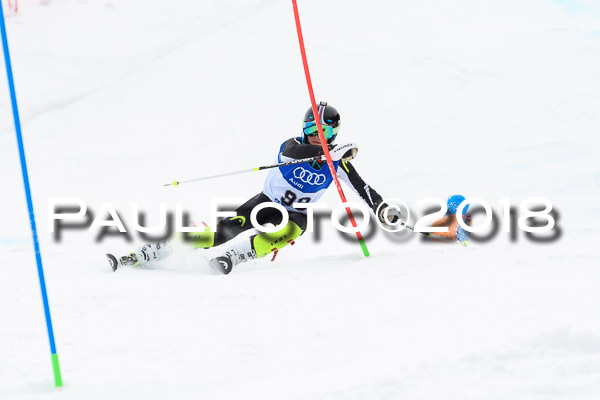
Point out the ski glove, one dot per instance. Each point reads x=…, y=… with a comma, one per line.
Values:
x=393, y=214
x=345, y=152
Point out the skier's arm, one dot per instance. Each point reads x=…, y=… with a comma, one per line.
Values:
x=350, y=176
x=294, y=149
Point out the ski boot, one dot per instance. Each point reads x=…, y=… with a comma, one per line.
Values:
x=235, y=255
x=143, y=255
x=130, y=259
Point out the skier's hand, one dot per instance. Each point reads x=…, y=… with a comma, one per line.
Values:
x=393, y=214
x=345, y=151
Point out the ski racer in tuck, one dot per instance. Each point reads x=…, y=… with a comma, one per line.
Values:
x=286, y=185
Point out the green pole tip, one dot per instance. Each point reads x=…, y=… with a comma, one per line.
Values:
x=363, y=245
x=56, y=368
x=175, y=183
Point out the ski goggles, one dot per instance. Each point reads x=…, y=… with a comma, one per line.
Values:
x=310, y=129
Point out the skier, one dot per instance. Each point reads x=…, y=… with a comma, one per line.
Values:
x=298, y=183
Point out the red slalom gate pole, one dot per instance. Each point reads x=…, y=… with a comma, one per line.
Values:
x=313, y=103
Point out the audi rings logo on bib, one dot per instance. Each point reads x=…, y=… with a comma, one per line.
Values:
x=312, y=178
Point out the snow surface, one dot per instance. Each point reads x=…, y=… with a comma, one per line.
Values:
x=492, y=99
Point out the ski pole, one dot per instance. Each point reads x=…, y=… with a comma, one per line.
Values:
x=282, y=164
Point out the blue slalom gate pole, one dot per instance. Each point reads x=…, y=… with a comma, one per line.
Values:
x=38, y=257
